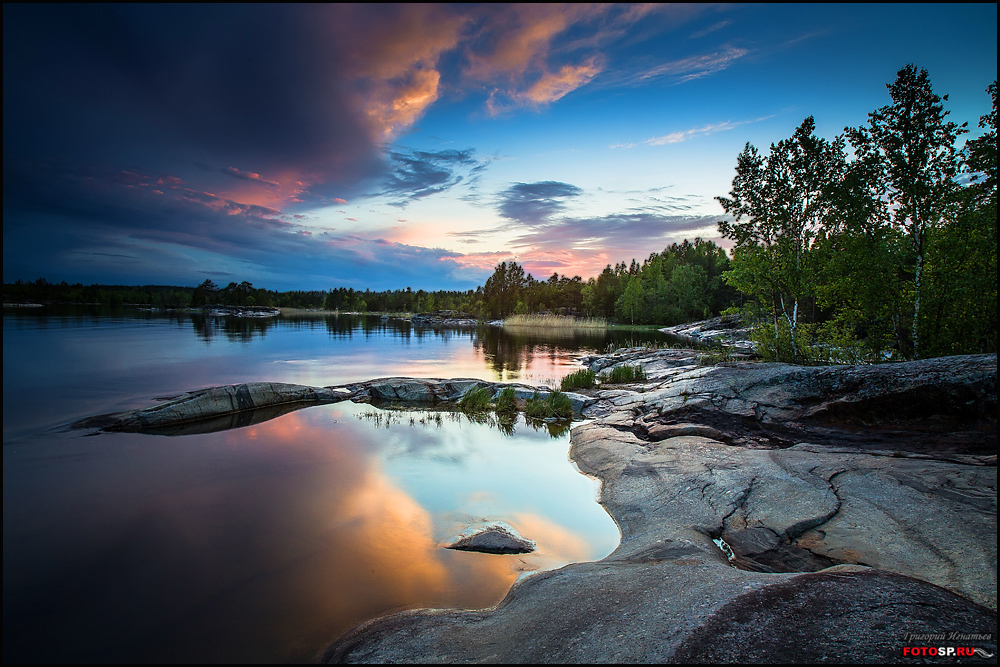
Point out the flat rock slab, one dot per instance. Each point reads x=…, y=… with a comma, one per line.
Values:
x=233, y=406
x=494, y=540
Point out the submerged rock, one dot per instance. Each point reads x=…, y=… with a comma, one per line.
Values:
x=494, y=540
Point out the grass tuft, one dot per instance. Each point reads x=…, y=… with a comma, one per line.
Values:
x=556, y=404
x=581, y=379
x=506, y=401
x=624, y=373
x=476, y=399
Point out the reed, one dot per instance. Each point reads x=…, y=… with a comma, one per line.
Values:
x=558, y=322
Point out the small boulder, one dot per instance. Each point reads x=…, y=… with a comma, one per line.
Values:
x=494, y=540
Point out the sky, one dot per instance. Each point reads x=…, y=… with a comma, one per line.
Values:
x=419, y=145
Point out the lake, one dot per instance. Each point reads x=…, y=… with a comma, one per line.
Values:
x=265, y=543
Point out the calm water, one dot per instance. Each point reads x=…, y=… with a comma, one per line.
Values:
x=267, y=542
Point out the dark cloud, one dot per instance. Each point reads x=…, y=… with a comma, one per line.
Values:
x=92, y=236
x=535, y=203
x=165, y=85
x=417, y=174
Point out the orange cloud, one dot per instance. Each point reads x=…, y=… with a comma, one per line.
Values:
x=352, y=544
x=397, y=104
x=524, y=34
x=552, y=87
x=395, y=63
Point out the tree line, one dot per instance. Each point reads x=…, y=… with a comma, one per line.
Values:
x=682, y=283
x=887, y=254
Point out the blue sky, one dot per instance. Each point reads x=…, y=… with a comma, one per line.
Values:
x=386, y=146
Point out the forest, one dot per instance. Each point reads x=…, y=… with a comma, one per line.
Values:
x=878, y=244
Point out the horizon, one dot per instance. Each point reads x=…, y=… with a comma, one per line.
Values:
x=384, y=147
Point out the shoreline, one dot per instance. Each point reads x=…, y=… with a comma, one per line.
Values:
x=756, y=502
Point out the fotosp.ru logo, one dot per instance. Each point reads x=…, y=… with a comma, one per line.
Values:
x=946, y=652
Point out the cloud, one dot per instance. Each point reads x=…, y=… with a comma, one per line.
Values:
x=174, y=232
x=518, y=38
x=710, y=29
x=392, y=58
x=684, y=135
x=547, y=89
x=583, y=246
x=535, y=203
x=418, y=174
x=693, y=67
x=248, y=176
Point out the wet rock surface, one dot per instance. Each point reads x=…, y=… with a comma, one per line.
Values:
x=859, y=504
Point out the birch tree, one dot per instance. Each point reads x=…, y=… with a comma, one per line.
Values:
x=915, y=147
x=779, y=203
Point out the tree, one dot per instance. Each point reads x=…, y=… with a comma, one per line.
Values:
x=779, y=203
x=629, y=304
x=915, y=148
x=961, y=267
x=503, y=289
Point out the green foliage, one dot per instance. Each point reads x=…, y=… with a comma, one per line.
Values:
x=506, y=402
x=476, y=399
x=779, y=204
x=774, y=342
x=556, y=405
x=881, y=257
x=913, y=147
x=624, y=373
x=581, y=379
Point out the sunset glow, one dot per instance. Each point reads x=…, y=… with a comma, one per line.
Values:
x=307, y=147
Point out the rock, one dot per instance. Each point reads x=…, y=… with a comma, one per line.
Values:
x=658, y=432
x=494, y=540
x=410, y=390
x=212, y=403
x=726, y=330
x=841, y=545
x=218, y=407
x=447, y=319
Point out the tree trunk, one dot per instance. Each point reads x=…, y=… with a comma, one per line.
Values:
x=916, y=303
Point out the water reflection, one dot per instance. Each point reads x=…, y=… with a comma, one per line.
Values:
x=264, y=543
x=388, y=415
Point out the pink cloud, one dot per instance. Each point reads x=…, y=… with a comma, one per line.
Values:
x=248, y=176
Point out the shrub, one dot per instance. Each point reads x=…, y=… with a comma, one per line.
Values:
x=624, y=373
x=476, y=399
x=581, y=379
x=506, y=401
